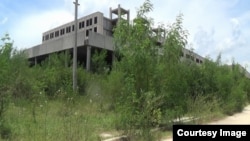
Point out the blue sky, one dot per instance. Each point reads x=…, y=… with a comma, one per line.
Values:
x=215, y=26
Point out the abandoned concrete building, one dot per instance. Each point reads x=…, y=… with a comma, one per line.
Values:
x=94, y=32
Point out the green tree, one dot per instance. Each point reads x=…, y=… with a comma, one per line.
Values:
x=5, y=57
x=152, y=72
x=14, y=83
x=99, y=63
x=56, y=74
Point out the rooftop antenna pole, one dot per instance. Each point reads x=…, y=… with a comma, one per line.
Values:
x=75, y=50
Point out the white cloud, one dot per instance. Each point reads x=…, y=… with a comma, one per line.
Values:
x=235, y=22
x=214, y=30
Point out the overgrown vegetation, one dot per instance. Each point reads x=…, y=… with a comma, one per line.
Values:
x=149, y=86
x=158, y=86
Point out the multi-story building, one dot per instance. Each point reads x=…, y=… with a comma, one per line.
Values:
x=94, y=32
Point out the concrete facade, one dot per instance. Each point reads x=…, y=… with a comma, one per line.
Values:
x=94, y=31
x=188, y=54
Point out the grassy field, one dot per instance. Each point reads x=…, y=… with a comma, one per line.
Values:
x=71, y=119
x=78, y=119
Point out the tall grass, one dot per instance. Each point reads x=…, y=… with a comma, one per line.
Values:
x=72, y=119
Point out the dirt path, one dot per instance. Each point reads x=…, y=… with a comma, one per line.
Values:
x=239, y=118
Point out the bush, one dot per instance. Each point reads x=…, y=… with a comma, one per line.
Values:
x=5, y=131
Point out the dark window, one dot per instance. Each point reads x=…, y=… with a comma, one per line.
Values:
x=201, y=62
x=197, y=60
x=73, y=27
x=68, y=29
x=56, y=33
x=43, y=38
x=82, y=24
x=95, y=20
x=47, y=37
x=51, y=35
x=87, y=32
x=87, y=23
x=90, y=21
x=62, y=31
x=95, y=29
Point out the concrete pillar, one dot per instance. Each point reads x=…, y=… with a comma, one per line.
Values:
x=88, y=58
x=35, y=61
x=119, y=12
x=128, y=15
x=110, y=13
